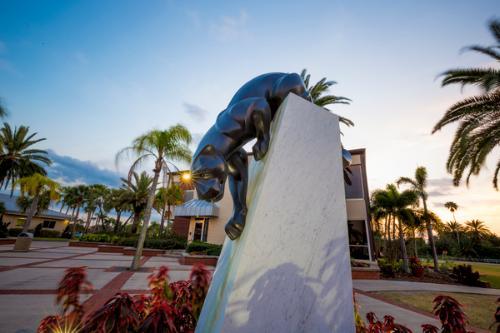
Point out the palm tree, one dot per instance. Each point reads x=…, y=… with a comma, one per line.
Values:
x=75, y=199
x=116, y=200
x=18, y=158
x=165, y=199
x=163, y=147
x=455, y=228
x=419, y=184
x=136, y=194
x=320, y=97
x=397, y=207
x=478, y=132
x=477, y=229
x=452, y=207
x=35, y=187
x=3, y=110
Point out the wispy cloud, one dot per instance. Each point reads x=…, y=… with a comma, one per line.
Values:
x=229, y=28
x=71, y=171
x=195, y=111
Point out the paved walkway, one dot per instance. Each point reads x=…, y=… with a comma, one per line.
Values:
x=392, y=285
x=28, y=280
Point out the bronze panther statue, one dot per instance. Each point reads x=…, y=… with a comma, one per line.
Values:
x=220, y=154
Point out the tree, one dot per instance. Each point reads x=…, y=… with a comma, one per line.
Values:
x=34, y=187
x=452, y=207
x=165, y=199
x=419, y=184
x=75, y=199
x=455, y=228
x=320, y=96
x=163, y=147
x=478, y=131
x=116, y=200
x=136, y=194
x=18, y=158
x=478, y=230
x=396, y=206
x=3, y=110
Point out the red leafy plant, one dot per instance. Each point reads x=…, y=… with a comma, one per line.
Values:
x=71, y=285
x=171, y=307
x=416, y=267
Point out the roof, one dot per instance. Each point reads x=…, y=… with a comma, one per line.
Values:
x=197, y=207
x=11, y=207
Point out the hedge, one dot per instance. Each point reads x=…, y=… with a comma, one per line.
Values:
x=204, y=248
x=49, y=233
x=13, y=232
x=162, y=244
x=98, y=238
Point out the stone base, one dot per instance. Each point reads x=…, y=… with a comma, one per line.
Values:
x=290, y=270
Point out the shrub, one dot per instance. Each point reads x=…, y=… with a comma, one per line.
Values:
x=38, y=229
x=416, y=267
x=449, y=311
x=387, y=269
x=49, y=233
x=204, y=248
x=170, y=307
x=464, y=274
x=13, y=232
x=98, y=238
x=161, y=244
x=4, y=231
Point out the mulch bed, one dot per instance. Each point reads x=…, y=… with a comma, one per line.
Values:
x=429, y=277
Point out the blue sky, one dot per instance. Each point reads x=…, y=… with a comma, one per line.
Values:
x=92, y=75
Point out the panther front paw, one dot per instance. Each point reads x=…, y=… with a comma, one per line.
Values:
x=235, y=226
x=260, y=149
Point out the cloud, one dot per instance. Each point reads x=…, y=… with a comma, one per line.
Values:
x=195, y=111
x=229, y=28
x=71, y=171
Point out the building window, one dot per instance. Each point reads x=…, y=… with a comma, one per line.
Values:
x=20, y=222
x=358, y=241
x=49, y=224
x=355, y=190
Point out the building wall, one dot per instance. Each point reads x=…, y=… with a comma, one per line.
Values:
x=60, y=225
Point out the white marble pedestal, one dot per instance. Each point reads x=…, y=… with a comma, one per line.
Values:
x=290, y=269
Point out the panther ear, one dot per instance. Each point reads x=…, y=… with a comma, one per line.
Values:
x=208, y=150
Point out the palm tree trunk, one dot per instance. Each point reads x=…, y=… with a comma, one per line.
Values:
x=431, y=237
x=89, y=218
x=117, y=222
x=415, y=242
x=135, y=222
x=31, y=212
x=402, y=245
x=73, y=228
x=136, y=263
x=162, y=220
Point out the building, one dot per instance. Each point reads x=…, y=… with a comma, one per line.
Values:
x=49, y=219
x=205, y=221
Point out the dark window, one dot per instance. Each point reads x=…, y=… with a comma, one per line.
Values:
x=355, y=190
x=49, y=224
x=357, y=233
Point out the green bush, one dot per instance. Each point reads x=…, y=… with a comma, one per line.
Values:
x=161, y=244
x=204, y=248
x=13, y=232
x=49, y=233
x=99, y=238
x=4, y=231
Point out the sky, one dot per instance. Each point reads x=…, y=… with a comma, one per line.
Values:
x=92, y=75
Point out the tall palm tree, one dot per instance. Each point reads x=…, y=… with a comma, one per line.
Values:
x=34, y=187
x=3, y=111
x=163, y=147
x=478, y=131
x=136, y=194
x=165, y=199
x=75, y=199
x=18, y=158
x=452, y=207
x=397, y=206
x=419, y=184
x=455, y=228
x=116, y=200
x=320, y=96
x=477, y=229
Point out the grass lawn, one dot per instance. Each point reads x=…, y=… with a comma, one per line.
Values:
x=479, y=308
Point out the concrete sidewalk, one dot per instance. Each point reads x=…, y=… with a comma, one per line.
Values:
x=408, y=318
x=393, y=285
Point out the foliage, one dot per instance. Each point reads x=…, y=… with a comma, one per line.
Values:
x=319, y=94
x=204, y=248
x=99, y=238
x=497, y=318
x=465, y=275
x=135, y=194
x=478, y=132
x=49, y=233
x=449, y=311
x=416, y=267
x=14, y=232
x=387, y=325
x=72, y=284
x=171, y=307
x=18, y=157
x=387, y=269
